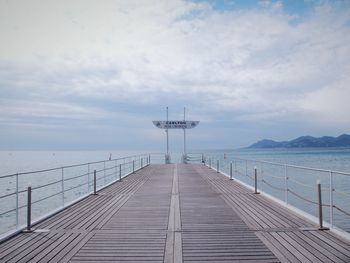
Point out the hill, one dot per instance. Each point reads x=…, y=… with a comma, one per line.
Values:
x=306, y=141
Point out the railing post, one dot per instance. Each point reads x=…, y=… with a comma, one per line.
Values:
x=141, y=163
x=29, y=209
x=17, y=212
x=120, y=172
x=133, y=166
x=231, y=171
x=262, y=178
x=331, y=190
x=320, y=213
x=209, y=162
x=62, y=185
x=95, y=181
x=285, y=184
x=217, y=166
x=256, y=181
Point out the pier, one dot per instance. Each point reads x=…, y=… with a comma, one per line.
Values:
x=176, y=213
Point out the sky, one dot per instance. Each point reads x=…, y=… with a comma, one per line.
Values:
x=92, y=75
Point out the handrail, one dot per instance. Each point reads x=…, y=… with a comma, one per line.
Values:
x=281, y=180
x=61, y=184
x=294, y=166
x=69, y=166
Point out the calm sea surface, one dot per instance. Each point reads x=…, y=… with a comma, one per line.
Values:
x=271, y=177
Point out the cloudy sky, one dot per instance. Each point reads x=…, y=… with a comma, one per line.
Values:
x=88, y=74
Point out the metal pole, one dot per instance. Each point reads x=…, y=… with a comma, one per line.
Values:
x=95, y=182
x=262, y=178
x=256, y=181
x=17, y=212
x=167, y=132
x=320, y=213
x=141, y=163
x=331, y=197
x=217, y=166
x=29, y=209
x=231, y=171
x=62, y=185
x=185, y=133
x=120, y=172
x=133, y=166
x=286, y=184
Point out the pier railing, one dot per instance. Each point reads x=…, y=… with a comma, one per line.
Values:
x=304, y=189
x=29, y=197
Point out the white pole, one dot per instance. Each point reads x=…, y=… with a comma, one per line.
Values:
x=184, y=132
x=167, y=134
x=331, y=197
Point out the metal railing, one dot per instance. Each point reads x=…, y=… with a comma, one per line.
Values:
x=296, y=186
x=28, y=197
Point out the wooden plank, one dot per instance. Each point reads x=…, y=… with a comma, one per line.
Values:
x=191, y=214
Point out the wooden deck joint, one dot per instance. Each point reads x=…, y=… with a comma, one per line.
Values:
x=173, y=248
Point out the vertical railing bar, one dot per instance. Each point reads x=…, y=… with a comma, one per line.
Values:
x=286, y=184
x=17, y=212
x=95, y=181
x=235, y=173
x=331, y=197
x=262, y=177
x=320, y=212
x=120, y=172
x=231, y=171
x=29, y=209
x=256, y=180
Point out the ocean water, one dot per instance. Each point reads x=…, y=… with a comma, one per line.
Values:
x=271, y=177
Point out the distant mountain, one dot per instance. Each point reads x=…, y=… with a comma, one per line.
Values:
x=306, y=141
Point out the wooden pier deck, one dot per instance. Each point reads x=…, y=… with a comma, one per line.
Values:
x=176, y=213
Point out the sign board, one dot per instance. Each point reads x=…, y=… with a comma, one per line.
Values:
x=175, y=124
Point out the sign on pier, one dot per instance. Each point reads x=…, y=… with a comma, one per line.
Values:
x=166, y=125
x=175, y=124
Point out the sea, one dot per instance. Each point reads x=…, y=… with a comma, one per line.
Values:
x=273, y=166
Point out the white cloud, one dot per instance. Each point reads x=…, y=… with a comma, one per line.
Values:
x=255, y=63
